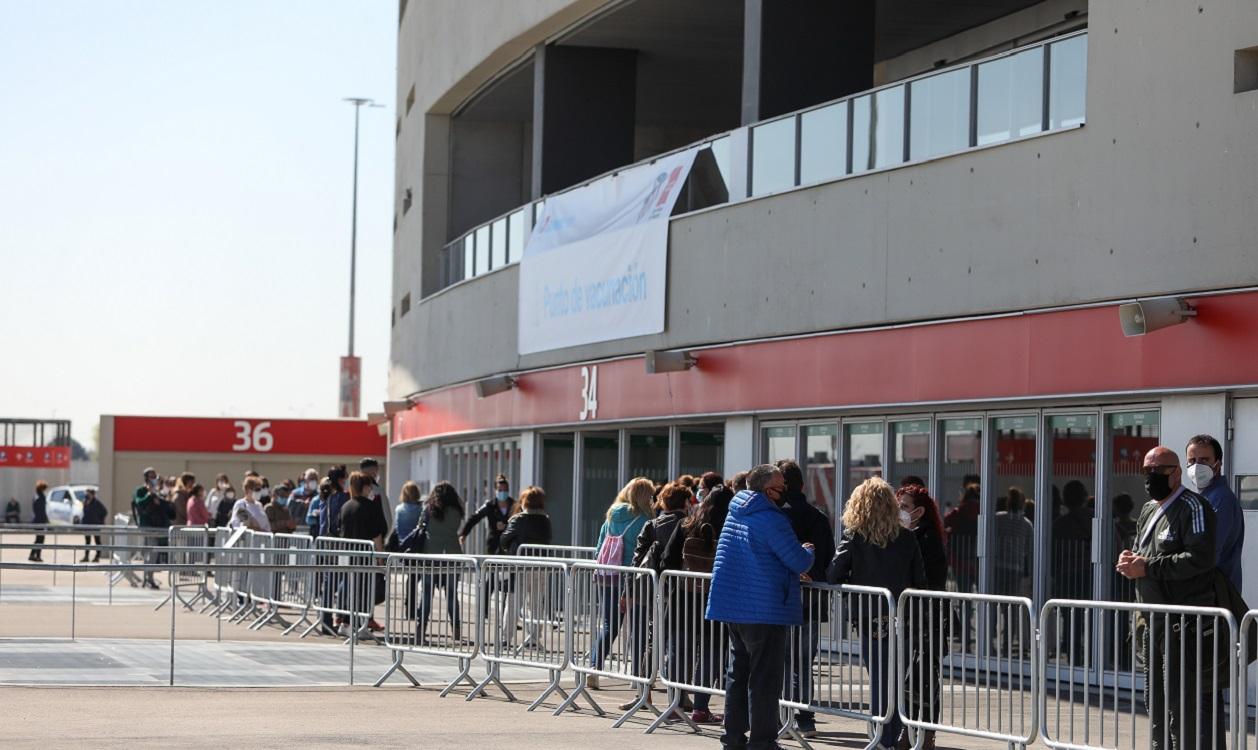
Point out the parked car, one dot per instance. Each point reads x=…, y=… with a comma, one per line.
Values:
x=65, y=503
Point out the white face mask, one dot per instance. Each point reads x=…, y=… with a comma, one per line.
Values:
x=230, y=494
x=1200, y=475
x=222, y=485
x=312, y=485
x=264, y=492
x=906, y=520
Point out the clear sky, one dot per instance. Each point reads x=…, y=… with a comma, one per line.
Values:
x=175, y=205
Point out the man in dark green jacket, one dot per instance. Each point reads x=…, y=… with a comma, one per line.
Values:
x=150, y=511
x=1174, y=563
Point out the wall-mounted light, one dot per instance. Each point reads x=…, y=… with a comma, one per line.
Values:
x=669, y=362
x=393, y=407
x=494, y=385
x=1148, y=315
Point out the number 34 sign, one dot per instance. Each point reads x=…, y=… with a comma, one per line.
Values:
x=589, y=393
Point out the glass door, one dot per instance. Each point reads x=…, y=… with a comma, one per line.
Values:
x=864, y=452
x=960, y=491
x=1012, y=464
x=910, y=451
x=778, y=442
x=821, y=454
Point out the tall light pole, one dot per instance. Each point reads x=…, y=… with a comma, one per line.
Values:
x=351, y=384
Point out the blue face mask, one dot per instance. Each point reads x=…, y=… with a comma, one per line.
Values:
x=281, y=501
x=502, y=496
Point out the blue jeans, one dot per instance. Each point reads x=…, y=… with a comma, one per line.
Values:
x=805, y=643
x=876, y=652
x=609, y=609
x=449, y=582
x=753, y=683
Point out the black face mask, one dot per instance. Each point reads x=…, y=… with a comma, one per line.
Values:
x=1158, y=485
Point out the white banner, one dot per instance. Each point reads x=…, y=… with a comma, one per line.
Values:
x=595, y=267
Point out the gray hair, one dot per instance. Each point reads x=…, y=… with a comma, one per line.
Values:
x=759, y=477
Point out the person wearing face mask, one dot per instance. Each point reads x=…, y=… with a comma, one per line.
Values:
x=1205, y=475
x=264, y=494
x=330, y=512
x=277, y=513
x=497, y=511
x=315, y=509
x=303, y=495
x=150, y=511
x=254, y=516
x=215, y=496
x=1173, y=562
x=811, y=526
x=223, y=508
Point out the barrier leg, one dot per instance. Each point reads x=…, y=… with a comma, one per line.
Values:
x=789, y=730
x=644, y=695
x=162, y=603
x=577, y=692
x=554, y=686
x=465, y=667
x=491, y=675
x=396, y=666
x=305, y=618
x=672, y=713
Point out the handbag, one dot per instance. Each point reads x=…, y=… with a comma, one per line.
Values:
x=417, y=541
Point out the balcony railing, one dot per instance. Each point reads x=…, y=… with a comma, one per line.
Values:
x=1020, y=93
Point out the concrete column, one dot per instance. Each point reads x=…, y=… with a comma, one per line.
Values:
x=740, y=445
x=797, y=53
x=584, y=103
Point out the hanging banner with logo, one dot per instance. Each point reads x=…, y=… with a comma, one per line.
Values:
x=595, y=267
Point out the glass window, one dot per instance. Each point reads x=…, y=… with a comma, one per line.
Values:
x=960, y=497
x=482, y=251
x=557, y=456
x=1013, y=485
x=1067, y=82
x=648, y=455
x=821, y=453
x=1247, y=491
x=1129, y=435
x=515, y=236
x=864, y=453
x=773, y=156
x=469, y=257
x=910, y=451
x=823, y=143
x=499, y=257
x=878, y=129
x=720, y=152
x=779, y=443
x=1071, y=469
x=939, y=120
x=1010, y=97
x=702, y=449
x=599, y=481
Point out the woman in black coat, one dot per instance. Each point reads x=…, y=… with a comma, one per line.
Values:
x=876, y=550
x=928, y=619
x=529, y=593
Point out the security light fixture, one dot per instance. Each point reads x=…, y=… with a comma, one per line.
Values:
x=1148, y=315
x=393, y=407
x=494, y=385
x=669, y=362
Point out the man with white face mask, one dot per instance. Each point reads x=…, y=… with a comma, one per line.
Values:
x=1205, y=475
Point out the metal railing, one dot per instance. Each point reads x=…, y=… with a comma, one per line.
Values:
x=983, y=666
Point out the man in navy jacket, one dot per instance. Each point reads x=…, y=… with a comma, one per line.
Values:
x=1205, y=475
x=755, y=591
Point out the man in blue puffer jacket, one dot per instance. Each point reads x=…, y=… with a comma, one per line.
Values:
x=755, y=591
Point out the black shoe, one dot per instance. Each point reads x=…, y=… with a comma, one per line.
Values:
x=97, y=558
x=806, y=727
x=84, y=559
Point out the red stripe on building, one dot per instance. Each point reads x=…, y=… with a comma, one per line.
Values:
x=314, y=437
x=30, y=457
x=1044, y=354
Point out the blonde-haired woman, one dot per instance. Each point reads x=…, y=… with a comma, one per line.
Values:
x=617, y=538
x=877, y=549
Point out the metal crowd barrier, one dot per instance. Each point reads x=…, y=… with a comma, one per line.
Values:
x=1141, y=676
x=842, y=660
x=530, y=601
x=179, y=538
x=557, y=551
x=967, y=666
x=696, y=650
x=611, y=637
x=291, y=590
x=347, y=596
x=427, y=600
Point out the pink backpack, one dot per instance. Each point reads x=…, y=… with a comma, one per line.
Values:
x=611, y=552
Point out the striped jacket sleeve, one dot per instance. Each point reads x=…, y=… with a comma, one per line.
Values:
x=1194, y=523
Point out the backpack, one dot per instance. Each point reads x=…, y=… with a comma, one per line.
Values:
x=698, y=552
x=611, y=552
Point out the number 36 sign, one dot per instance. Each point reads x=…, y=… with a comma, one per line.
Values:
x=306, y=437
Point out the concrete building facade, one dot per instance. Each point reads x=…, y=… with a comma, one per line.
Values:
x=902, y=251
